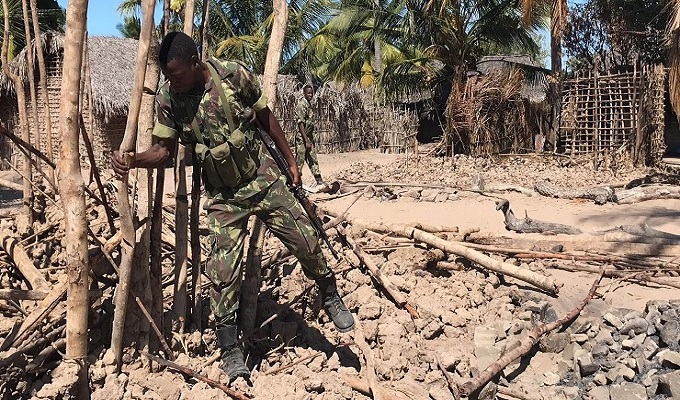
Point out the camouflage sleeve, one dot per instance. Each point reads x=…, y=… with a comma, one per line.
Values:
x=165, y=126
x=250, y=91
x=300, y=112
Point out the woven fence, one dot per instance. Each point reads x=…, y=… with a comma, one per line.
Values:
x=615, y=112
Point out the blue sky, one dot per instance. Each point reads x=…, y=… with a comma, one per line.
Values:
x=103, y=16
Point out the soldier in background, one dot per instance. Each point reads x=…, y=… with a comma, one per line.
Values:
x=304, y=139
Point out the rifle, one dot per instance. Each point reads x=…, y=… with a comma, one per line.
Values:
x=297, y=191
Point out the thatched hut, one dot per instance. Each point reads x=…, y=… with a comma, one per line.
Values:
x=499, y=108
x=108, y=74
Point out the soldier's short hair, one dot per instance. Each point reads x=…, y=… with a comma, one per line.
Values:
x=308, y=85
x=177, y=46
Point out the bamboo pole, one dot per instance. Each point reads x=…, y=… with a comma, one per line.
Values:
x=72, y=191
x=126, y=224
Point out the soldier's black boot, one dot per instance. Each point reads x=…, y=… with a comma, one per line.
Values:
x=334, y=306
x=232, y=357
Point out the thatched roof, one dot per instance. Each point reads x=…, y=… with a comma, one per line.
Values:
x=112, y=69
x=535, y=85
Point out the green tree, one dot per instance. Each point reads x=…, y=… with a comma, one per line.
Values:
x=421, y=41
x=50, y=15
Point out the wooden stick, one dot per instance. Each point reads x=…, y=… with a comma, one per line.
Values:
x=11, y=185
x=24, y=264
x=540, y=281
x=526, y=345
x=382, y=279
x=294, y=363
x=16, y=294
x=453, y=386
x=161, y=339
x=230, y=392
x=124, y=208
x=362, y=386
x=626, y=275
x=577, y=243
x=369, y=371
x=44, y=309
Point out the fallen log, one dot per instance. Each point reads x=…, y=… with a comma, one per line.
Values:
x=230, y=392
x=17, y=294
x=525, y=346
x=376, y=273
x=644, y=193
x=570, y=244
x=24, y=264
x=44, y=309
x=528, y=225
x=361, y=386
x=644, y=230
x=11, y=185
x=623, y=274
x=531, y=277
x=601, y=195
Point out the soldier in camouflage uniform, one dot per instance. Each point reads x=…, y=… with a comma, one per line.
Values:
x=217, y=106
x=304, y=139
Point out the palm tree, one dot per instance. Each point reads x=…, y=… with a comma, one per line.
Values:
x=421, y=41
x=51, y=17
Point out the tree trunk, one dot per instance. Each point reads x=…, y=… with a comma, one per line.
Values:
x=376, y=41
x=271, y=66
x=43, y=84
x=166, y=17
x=71, y=186
x=205, y=23
x=189, y=8
x=23, y=120
x=126, y=224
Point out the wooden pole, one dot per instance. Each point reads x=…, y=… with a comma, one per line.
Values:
x=72, y=191
x=126, y=224
x=31, y=74
x=24, y=264
x=43, y=84
x=23, y=120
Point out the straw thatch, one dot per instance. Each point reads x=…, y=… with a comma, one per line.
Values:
x=112, y=70
x=488, y=114
x=534, y=86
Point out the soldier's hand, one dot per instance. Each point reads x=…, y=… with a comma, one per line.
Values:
x=120, y=164
x=296, y=175
x=308, y=145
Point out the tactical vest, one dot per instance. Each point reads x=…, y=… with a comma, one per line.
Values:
x=235, y=160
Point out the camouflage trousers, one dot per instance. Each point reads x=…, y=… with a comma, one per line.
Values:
x=302, y=155
x=227, y=223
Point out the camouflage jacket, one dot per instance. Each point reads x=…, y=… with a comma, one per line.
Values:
x=175, y=113
x=304, y=113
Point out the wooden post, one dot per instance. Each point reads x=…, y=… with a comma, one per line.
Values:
x=179, y=302
x=31, y=75
x=43, y=83
x=71, y=186
x=23, y=120
x=127, y=226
